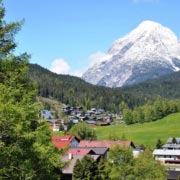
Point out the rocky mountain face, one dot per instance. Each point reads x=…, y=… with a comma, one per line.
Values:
x=149, y=51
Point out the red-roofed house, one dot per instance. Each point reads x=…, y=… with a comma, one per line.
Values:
x=94, y=149
x=64, y=141
x=107, y=144
x=80, y=151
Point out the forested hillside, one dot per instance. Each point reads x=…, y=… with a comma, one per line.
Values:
x=166, y=86
x=74, y=91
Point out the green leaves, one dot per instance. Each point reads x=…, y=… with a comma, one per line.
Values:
x=25, y=143
x=147, y=168
x=121, y=165
x=82, y=131
x=85, y=169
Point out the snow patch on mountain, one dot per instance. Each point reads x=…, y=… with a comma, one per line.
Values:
x=149, y=51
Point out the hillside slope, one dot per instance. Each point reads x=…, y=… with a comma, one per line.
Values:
x=146, y=133
x=167, y=86
x=75, y=91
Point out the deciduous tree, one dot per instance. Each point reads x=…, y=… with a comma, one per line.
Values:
x=86, y=169
x=26, y=151
x=83, y=131
x=147, y=168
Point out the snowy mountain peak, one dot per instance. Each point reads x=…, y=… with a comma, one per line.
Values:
x=149, y=25
x=150, y=50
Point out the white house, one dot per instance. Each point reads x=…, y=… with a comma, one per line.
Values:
x=171, y=156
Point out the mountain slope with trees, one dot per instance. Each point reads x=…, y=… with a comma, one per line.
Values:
x=167, y=86
x=75, y=91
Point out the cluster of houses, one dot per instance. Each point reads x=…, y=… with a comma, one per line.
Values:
x=75, y=149
x=78, y=149
x=93, y=116
x=169, y=154
x=76, y=114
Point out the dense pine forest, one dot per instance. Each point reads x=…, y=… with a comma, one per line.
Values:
x=74, y=91
x=167, y=86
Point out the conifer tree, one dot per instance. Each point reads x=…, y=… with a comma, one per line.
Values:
x=159, y=144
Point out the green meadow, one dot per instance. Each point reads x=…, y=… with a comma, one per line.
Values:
x=146, y=133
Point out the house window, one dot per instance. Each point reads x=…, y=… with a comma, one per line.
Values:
x=164, y=156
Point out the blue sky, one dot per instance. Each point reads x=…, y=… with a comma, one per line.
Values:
x=68, y=36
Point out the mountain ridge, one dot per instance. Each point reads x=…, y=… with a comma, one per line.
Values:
x=149, y=51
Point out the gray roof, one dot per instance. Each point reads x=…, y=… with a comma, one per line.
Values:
x=170, y=140
x=69, y=168
x=171, y=146
x=166, y=152
x=173, y=175
x=100, y=150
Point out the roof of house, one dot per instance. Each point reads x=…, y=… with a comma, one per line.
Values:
x=106, y=144
x=80, y=151
x=170, y=140
x=62, y=141
x=171, y=146
x=72, y=161
x=173, y=175
x=167, y=152
x=88, y=150
x=100, y=150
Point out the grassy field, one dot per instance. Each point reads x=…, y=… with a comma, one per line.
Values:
x=147, y=133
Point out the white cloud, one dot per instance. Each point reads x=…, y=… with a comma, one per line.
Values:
x=97, y=57
x=60, y=66
x=145, y=1
x=91, y=60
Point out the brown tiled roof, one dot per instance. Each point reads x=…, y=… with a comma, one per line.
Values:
x=106, y=144
x=80, y=151
x=97, y=150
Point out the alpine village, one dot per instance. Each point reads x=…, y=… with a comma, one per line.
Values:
x=119, y=121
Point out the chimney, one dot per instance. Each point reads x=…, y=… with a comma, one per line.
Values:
x=70, y=156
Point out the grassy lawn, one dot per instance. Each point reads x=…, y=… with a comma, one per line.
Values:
x=147, y=133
